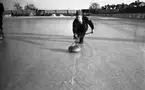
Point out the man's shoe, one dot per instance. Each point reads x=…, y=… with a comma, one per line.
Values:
x=80, y=42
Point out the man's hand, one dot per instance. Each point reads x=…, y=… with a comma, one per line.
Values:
x=75, y=36
x=92, y=31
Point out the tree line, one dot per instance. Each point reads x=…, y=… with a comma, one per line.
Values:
x=27, y=10
x=134, y=7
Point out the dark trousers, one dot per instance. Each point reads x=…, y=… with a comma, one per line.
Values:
x=1, y=25
x=81, y=36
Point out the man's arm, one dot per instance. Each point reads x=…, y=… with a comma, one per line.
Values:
x=89, y=22
x=74, y=27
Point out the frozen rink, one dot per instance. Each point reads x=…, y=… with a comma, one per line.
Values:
x=34, y=55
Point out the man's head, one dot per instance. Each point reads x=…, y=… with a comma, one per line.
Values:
x=79, y=15
x=79, y=12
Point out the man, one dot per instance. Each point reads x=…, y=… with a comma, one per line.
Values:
x=80, y=26
x=1, y=21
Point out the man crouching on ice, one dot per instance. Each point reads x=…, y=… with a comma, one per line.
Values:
x=80, y=26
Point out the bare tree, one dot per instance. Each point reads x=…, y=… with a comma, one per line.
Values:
x=17, y=6
x=30, y=7
x=94, y=6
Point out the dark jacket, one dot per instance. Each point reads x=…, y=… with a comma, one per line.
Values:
x=1, y=9
x=1, y=16
x=79, y=28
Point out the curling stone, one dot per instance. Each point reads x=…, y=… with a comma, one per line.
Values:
x=74, y=48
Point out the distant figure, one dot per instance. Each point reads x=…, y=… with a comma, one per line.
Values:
x=80, y=26
x=1, y=20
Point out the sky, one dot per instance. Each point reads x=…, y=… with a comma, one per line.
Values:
x=63, y=4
